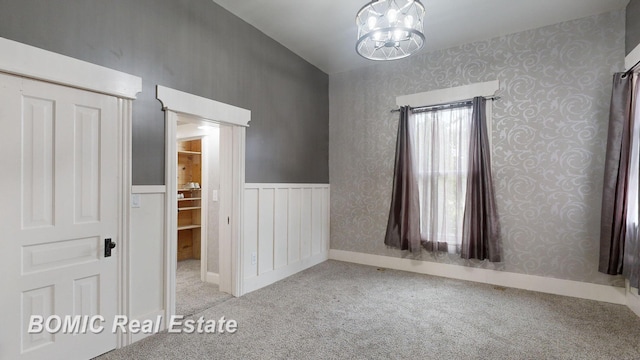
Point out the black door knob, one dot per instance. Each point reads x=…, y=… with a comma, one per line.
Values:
x=108, y=245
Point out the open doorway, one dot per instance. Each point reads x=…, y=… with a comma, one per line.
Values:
x=232, y=122
x=198, y=185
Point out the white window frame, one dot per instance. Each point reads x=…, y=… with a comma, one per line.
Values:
x=454, y=94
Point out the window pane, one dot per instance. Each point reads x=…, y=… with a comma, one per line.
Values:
x=441, y=148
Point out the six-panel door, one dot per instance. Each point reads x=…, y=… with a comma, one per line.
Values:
x=58, y=202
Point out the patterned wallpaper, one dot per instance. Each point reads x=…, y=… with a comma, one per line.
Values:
x=549, y=140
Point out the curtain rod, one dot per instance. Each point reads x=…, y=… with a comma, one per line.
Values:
x=452, y=104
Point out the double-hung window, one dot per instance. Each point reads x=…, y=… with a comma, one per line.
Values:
x=440, y=139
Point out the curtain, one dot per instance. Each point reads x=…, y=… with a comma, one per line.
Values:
x=481, y=226
x=631, y=268
x=613, y=224
x=441, y=143
x=403, y=226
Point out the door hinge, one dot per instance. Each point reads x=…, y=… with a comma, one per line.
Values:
x=227, y=220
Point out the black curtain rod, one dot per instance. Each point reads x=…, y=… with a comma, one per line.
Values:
x=449, y=105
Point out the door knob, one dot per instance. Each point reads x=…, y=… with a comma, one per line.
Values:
x=108, y=245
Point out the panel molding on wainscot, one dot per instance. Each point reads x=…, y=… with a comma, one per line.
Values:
x=286, y=231
x=146, y=283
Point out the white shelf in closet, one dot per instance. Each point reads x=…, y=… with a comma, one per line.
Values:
x=187, y=227
x=190, y=199
x=189, y=208
x=185, y=152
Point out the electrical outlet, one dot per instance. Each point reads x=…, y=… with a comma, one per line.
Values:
x=254, y=258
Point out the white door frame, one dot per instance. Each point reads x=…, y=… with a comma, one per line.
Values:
x=31, y=62
x=204, y=203
x=233, y=121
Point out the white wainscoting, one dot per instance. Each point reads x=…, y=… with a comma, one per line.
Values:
x=577, y=289
x=286, y=231
x=146, y=276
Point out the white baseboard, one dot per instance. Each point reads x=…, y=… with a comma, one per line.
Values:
x=213, y=278
x=606, y=293
x=153, y=316
x=255, y=283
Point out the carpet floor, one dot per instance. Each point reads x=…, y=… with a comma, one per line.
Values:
x=338, y=310
x=193, y=295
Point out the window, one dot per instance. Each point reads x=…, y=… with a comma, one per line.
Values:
x=440, y=140
x=441, y=149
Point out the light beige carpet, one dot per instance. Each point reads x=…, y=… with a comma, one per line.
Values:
x=337, y=310
x=193, y=295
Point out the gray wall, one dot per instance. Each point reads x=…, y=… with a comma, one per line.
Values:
x=549, y=140
x=632, y=36
x=198, y=47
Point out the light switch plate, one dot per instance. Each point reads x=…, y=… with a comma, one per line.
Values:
x=135, y=200
x=254, y=258
x=214, y=195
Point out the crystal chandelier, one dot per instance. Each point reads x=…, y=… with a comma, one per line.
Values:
x=390, y=29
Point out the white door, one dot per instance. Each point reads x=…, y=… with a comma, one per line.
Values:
x=58, y=204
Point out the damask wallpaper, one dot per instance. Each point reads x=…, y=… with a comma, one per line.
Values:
x=548, y=133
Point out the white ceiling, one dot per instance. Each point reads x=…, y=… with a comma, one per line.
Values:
x=323, y=32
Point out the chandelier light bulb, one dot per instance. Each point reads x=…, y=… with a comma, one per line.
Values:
x=392, y=15
x=408, y=21
x=371, y=22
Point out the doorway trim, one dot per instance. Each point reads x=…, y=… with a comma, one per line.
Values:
x=31, y=62
x=233, y=121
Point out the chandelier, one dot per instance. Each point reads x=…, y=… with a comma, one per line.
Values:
x=390, y=29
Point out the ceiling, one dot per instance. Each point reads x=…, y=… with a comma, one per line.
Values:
x=323, y=32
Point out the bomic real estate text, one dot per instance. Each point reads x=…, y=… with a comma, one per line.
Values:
x=83, y=324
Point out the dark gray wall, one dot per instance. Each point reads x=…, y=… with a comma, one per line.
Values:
x=632, y=36
x=198, y=47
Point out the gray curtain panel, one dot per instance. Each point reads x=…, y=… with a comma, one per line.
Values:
x=481, y=226
x=616, y=176
x=403, y=227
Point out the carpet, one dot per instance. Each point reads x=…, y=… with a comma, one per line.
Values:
x=193, y=295
x=339, y=310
